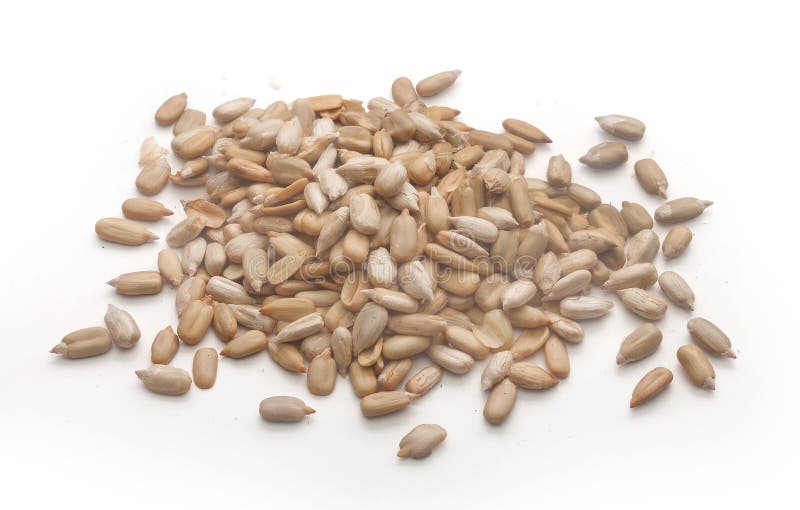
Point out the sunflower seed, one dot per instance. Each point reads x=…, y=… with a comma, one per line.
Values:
x=224, y=321
x=681, y=209
x=573, y=283
x=621, y=126
x=124, y=331
x=226, y=291
x=150, y=151
x=403, y=237
x=84, y=343
x=195, y=321
x=195, y=142
x=436, y=83
x=643, y=303
x=415, y=281
x=191, y=289
x=525, y=130
x=385, y=402
x=229, y=110
x=204, y=367
x=244, y=345
x=164, y=346
x=342, y=349
x=321, y=377
x=641, y=343
x=500, y=402
x=393, y=374
x=710, y=337
x=193, y=253
x=153, y=177
x=676, y=289
x=676, y=241
x=529, y=342
x=368, y=326
x=496, y=369
x=605, y=155
x=184, y=231
x=138, y=283
x=450, y=359
x=651, y=178
x=653, y=383
x=287, y=356
x=300, y=328
x=559, y=172
x=531, y=376
x=284, y=409
x=144, y=209
x=697, y=367
x=392, y=300
x=517, y=294
x=420, y=442
x=363, y=380
x=165, y=379
x=643, y=247
x=641, y=275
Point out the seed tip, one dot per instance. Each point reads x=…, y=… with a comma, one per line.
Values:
x=710, y=384
x=729, y=354
x=59, y=348
x=403, y=452
x=621, y=359
x=113, y=282
x=309, y=410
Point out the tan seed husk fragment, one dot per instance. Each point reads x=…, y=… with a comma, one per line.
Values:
x=641, y=343
x=697, y=367
x=676, y=289
x=124, y=331
x=643, y=303
x=605, y=155
x=436, y=83
x=500, y=402
x=204, y=367
x=284, y=409
x=653, y=383
x=127, y=232
x=531, y=376
x=651, y=178
x=144, y=209
x=710, y=337
x=150, y=151
x=676, y=241
x=165, y=380
x=681, y=209
x=84, y=343
x=164, y=347
x=420, y=442
x=622, y=126
x=138, y=283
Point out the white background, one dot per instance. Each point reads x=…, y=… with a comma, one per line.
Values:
x=717, y=88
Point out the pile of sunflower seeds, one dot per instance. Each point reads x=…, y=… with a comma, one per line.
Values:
x=347, y=240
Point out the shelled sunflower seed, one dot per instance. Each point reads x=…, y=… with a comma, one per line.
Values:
x=348, y=239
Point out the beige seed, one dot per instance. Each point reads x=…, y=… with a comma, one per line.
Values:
x=193, y=253
x=676, y=241
x=153, y=177
x=165, y=380
x=420, y=442
x=249, y=317
x=643, y=247
x=461, y=244
x=385, y=402
x=597, y=240
x=559, y=172
x=710, y=337
x=363, y=380
x=392, y=300
x=246, y=344
x=517, y=294
x=496, y=369
x=641, y=343
x=531, y=376
x=404, y=346
x=195, y=321
x=188, y=120
x=436, y=83
x=164, y=346
x=314, y=345
x=417, y=324
x=204, y=367
x=636, y=217
x=697, y=367
x=215, y=259
x=500, y=402
x=184, y=231
x=391, y=179
x=171, y=109
x=284, y=409
x=333, y=229
x=138, y=283
x=287, y=356
x=651, y=177
x=451, y=359
x=577, y=260
x=144, y=209
x=84, y=343
x=642, y=275
x=415, y=281
x=622, y=126
x=464, y=340
x=556, y=357
x=288, y=309
x=342, y=348
x=127, y=232
x=370, y=357
x=529, y=342
x=489, y=140
x=479, y=229
x=585, y=197
x=194, y=142
x=226, y=291
x=224, y=322
x=501, y=218
x=124, y=331
x=300, y=328
x=191, y=289
x=368, y=326
x=232, y=109
x=254, y=265
x=403, y=91
x=605, y=155
x=525, y=130
x=169, y=265
x=566, y=329
x=321, y=377
x=681, y=209
x=393, y=374
x=585, y=307
x=573, y=283
x=676, y=289
x=643, y=303
x=653, y=383
x=424, y=380
x=403, y=237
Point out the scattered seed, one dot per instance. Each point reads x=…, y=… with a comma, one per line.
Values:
x=697, y=367
x=641, y=343
x=605, y=155
x=621, y=126
x=165, y=379
x=653, y=383
x=420, y=442
x=710, y=337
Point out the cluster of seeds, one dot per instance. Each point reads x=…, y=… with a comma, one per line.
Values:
x=345, y=241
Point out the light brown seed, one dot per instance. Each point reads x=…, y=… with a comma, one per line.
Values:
x=531, y=376
x=235, y=247
x=424, y=380
x=403, y=91
x=138, y=283
x=641, y=275
x=321, y=377
x=681, y=209
x=651, y=177
x=477, y=228
x=436, y=83
x=571, y=284
x=188, y=120
x=164, y=346
x=417, y=324
x=204, y=367
x=451, y=359
x=517, y=294
x=525, y=130
x=529, y=342
x=184, y=231
x=489, y=140
x=392, y=300
x=165, y=380
x=415, y=281
x=676, y=289
x=577, y=260
x=556, y=357
x=226, y=291
x=191, y=289
x=605, y=155
x=314, y=345
x=195, y=321
x=288, y=309
x=224, y=321
x=124, y=331
x=420, y=442
x=385, y=402
x=127, y=232
x=144, y=209
x=641, y=343
x=246, y=344
x=232, y=109
x=194, y=142
x=368, y=326
x=710, y=337
x=587, y=198
x=643, y=247
x=171, y=109
x=153, y=177
x=393, y=374
x=169, y=265
x=249, y=317
x=284, y=409
x=363, y=380
x=559, y=172
x=496, y=369
x=636, y=217
x=697, y=367
x=597, y=240
x=500, y=402
x=342, y=348
x=461, y=244
x=84, y=343
x=622, y=126
x=585, y=307
x=676, y=241
x=566, y=329
x=404, y=346
x=652, y=384
x=193, y=253
x=287, y=356
x=300, y=328
x=643, y=303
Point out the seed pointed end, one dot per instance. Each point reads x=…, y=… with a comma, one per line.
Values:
x=59, y=348
x=621, y=359
x=309, y=410
x=404, y=452
x=662, y=192
x=729, y=354
x=710, y=384
x=708, y=203
x=635, y=402
x=113, y=282
x=140, y=373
